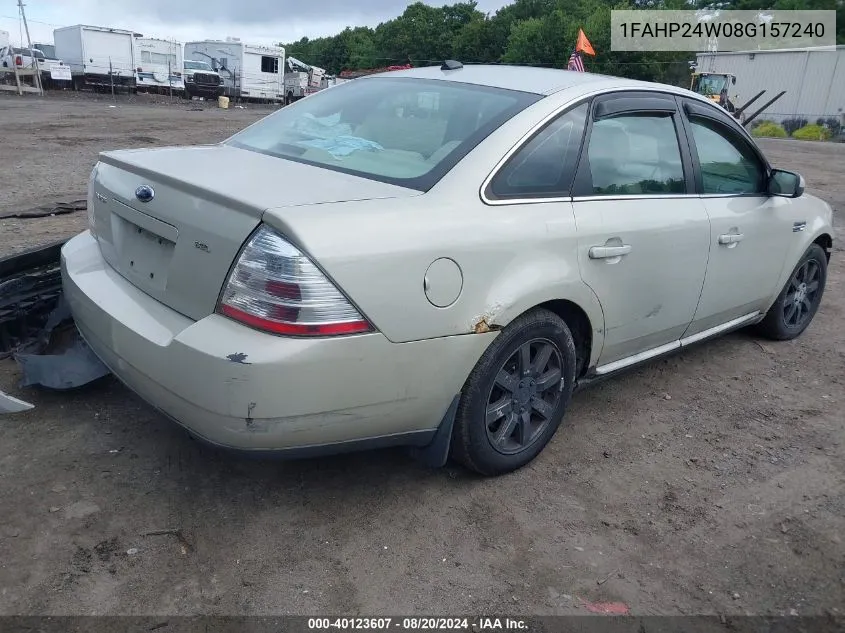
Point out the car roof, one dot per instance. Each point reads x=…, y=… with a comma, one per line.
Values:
x=542, y=81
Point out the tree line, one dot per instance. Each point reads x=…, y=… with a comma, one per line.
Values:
x=532, y=32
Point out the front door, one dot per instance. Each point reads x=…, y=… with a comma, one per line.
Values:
x=751, y=232
x=643, y=235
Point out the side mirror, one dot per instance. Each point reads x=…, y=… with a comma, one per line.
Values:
x=787, y=184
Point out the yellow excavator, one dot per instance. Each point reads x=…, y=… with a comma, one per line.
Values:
x=716, y=86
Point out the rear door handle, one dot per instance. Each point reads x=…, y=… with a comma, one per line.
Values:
x=731, y=238
x=605, y=252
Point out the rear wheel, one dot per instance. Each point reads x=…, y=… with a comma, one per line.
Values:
x=515, y=398
x=799, y=300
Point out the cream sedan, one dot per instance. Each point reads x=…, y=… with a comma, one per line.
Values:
x=436, y=258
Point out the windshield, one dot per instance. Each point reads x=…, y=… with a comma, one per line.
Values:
x=197, y=66
x=404, y=131
x=711, y=84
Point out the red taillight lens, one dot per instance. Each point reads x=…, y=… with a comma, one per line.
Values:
x=18, y=60
x=274, y=287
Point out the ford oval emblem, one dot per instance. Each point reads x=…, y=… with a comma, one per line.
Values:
x=145, y=193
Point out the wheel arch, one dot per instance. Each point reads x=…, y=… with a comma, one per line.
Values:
x=822, y=238
x=826, y=242
x=580, y=326
x=582, y=313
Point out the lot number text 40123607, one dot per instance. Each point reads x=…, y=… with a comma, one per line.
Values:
x=419, y=624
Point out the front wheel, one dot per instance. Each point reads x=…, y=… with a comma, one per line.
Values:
x=516, y=396
x=799, y=300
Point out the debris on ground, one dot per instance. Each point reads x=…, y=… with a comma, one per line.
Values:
x=57, y=357
x=73, y=366
x=30, y=287
x=601, y=581
x=607, y=608
x=60, y=208
x=36, y=325
x=10, y=404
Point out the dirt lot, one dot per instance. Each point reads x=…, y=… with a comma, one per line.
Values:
x=708, y=482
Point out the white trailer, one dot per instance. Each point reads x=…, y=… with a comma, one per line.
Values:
x=249, y=71
x=159, y=65
x=4, y=39
x=97, y=56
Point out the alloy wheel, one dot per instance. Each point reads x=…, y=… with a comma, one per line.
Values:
x=524, y=396
x=801, y=295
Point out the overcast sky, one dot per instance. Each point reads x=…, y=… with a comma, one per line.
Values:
x=257, y=21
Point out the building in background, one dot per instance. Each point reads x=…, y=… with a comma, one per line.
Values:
x=814, y=80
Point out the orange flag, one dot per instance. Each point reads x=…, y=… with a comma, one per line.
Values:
x=583, y=44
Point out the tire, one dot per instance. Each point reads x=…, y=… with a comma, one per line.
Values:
x=490, y=435
x=790, y=315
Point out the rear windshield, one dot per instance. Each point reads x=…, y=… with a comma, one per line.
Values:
x=404, y=131
x=28, y=52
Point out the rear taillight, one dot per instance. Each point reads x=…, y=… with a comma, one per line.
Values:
x=275, y=288
x=18, y=60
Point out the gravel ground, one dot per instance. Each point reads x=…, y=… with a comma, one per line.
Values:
x=708, y=482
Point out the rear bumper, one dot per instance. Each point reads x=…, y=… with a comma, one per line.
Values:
x=240, y=388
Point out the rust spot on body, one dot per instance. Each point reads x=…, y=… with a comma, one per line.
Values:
x=482, y=327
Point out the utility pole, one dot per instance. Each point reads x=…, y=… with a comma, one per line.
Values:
x=31, y=52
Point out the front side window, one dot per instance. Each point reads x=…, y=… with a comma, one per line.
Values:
x=545, y=166
x=405, y=131
x=635, y=154
x=728, y=164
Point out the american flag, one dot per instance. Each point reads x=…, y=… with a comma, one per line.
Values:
x=575, y=62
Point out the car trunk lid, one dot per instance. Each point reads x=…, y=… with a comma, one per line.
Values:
x=179, y=245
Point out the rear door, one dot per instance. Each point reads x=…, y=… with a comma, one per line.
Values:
x=643, y=234
x=751, y=231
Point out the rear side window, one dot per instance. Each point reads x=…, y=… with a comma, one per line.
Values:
x=404, y=131
x=635, y=155
x=545, y=166
x=728, y=164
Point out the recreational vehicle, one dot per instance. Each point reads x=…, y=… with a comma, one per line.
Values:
x=159, y=65
x=248, y=71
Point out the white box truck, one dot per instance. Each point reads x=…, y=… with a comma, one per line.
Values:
x=97, y=56
x=159, y=65
x=249, y=71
